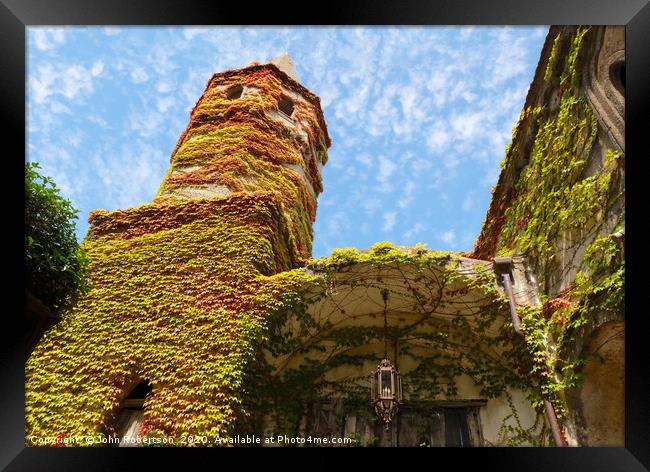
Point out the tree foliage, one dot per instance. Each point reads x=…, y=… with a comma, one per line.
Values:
x=55, y=265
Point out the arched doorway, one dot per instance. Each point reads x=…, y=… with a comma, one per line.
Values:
x=131, y=414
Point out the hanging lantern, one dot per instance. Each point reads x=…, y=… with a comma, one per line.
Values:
x=386, y=390
x=385, y=381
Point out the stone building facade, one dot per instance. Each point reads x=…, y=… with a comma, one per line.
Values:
x=208, y=319
x=560, y=203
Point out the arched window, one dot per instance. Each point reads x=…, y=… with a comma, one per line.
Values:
x=617, y=75
x=132, y=414
x=285, y=105
x=234, y=92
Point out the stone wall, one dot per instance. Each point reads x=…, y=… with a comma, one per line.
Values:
x=559, y=207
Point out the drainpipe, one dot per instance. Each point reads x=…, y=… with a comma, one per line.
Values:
x=503, y=267
x=552, y=420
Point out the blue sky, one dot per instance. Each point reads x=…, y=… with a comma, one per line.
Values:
x=419, y=117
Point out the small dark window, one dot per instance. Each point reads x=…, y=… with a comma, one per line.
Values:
x=234, y=92
x=285, y=105
x=617, y=76
x=456, y=430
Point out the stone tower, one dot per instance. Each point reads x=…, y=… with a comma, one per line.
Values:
x=181, y=285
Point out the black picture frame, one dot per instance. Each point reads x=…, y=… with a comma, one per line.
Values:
x=16, y=15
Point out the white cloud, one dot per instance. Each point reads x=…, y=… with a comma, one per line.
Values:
x=510, y=61
x=164, y=103
x=448, y=237
x=98, y=120
x=467, y=31
x=452, y=160
x=77, y=80
x=470, y=125
x=438, y=138
x=420, y=165
x=111, y=31
x=540, y=32
x=437, y=83
x=386, y=170
x=406, y=198
x=491, y=176
x=408, y=97
x=46, y=39
x=97, y=68
x=389, y=220
x=74, y=138
x=39, y=85
x=384, y=113
x=58, y=107
x=336, y=223
x=469, y=202
x=162, y=59
x=370, y=204
x=192, y=32
x=69, y=80
x=355, y=101
x=365, y=159
x=146, y=124
x=56, y=160
x=129, y=175
x=139, y=75
x=165, y=86
x=414, y=230
x=468, y=239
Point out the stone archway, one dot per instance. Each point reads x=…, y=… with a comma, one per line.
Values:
x=443, y=321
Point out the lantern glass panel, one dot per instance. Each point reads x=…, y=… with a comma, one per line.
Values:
x=386, y=383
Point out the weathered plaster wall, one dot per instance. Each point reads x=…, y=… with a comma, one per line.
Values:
x=600, y=402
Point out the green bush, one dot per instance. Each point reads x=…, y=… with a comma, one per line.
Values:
x=55, y=265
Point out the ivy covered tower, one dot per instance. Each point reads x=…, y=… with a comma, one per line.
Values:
x=255, y=130
x=181, y=285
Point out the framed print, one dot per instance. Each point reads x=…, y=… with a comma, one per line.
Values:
x=384, y=227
